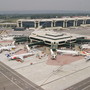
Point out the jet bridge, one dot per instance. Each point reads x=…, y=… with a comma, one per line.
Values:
x=21, y=39
x=82, y=40
x=36, y=43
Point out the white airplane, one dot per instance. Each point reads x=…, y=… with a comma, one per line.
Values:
x=84, y=53
x=72, y=52
x=53, y=54
x=87, y=58
x=8, y=48
x=20, y=56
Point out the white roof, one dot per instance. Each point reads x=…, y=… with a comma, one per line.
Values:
x=53, y=36
x=56, y=19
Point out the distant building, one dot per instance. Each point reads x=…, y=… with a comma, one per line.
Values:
x=12, y=25
x=63, y=22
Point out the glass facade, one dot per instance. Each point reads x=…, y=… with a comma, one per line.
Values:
x=45, y=24
x=70, y=23
x=53, y=23
x=79, y=22
x=28, y=24
x=59, y=24
x=88, y=21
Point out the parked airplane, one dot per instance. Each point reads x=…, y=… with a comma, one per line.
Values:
x=20, y=56
x=87, y=55
x=84, y=53
x=87, y=58
x=68, y=52
x=8, y=48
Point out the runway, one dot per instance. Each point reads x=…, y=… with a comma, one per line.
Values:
x=83, y=85
x=14, y=79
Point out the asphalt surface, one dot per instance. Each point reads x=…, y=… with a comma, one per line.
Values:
x=83, y=85
x=11, y=80
x=6, y=84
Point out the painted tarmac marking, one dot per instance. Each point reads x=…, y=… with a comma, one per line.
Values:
x=66, y=75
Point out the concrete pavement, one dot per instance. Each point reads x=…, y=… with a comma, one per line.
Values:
x=21, y=82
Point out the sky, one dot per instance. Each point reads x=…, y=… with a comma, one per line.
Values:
x=20, y=5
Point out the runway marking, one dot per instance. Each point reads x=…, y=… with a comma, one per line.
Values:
x=11, y=80
x=19, y=77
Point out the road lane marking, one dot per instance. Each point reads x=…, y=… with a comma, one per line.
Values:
x=11, y=80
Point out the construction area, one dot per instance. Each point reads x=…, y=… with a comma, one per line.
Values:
x=46, y=60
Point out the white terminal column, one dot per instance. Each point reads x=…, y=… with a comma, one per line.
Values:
x=21, y=24
x=51, y=23
x=17, y=24
x=63, y=23
x=38, y=24
x=74, y=23
x=54, y=23
x=85, y=21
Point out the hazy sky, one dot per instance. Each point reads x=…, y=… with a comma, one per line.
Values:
x=44, y=5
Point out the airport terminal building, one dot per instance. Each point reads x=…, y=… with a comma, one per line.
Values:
x=54, y=22
x=53, y=39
